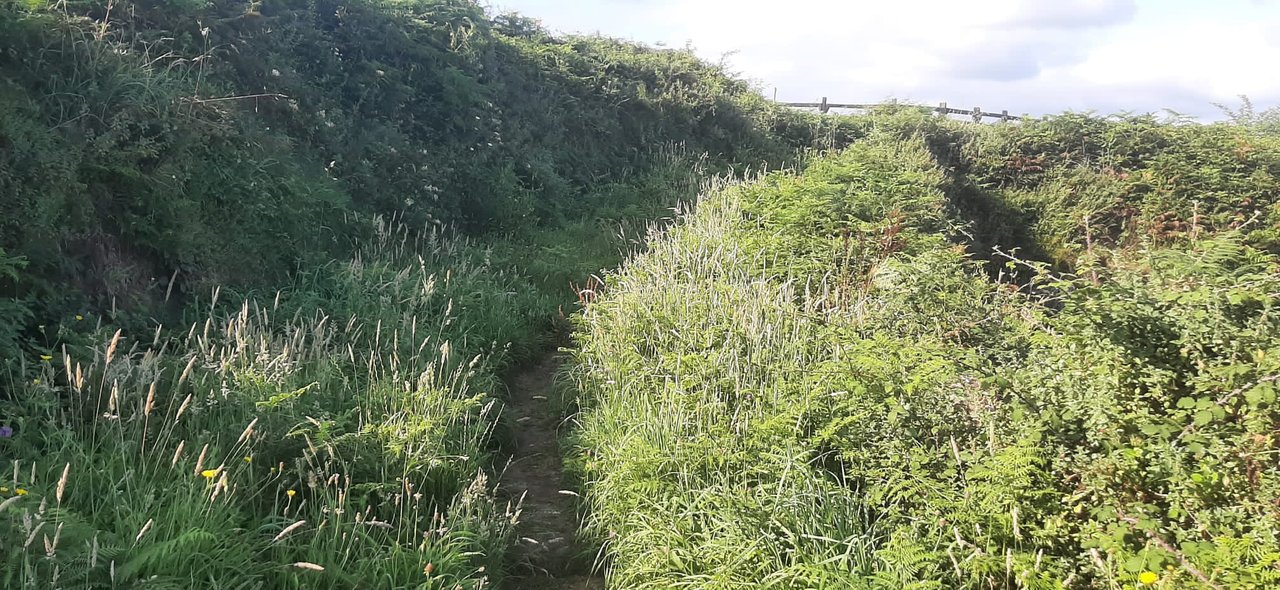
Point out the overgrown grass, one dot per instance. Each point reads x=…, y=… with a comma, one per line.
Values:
x=807, y=382
x=1073, y=181
x=169, y=148
x=344, y=432
x=338, y=436
x=819, y=379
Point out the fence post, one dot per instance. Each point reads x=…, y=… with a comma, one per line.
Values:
x=823, y=108
x=942, y=109
x=977, y=114
x=1004, y=116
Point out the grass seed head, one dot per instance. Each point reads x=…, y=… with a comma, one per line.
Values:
x=62, y=482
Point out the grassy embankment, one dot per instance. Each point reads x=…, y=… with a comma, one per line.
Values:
x=220, y=365
x=819, y=380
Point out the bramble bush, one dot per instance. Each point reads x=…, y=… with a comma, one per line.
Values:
x=923, y=354
x=809, y=382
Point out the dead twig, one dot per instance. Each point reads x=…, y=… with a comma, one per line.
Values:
x=1243, y=388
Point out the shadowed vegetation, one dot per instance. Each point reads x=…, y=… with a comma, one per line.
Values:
x=809, y=381
x=264, y=266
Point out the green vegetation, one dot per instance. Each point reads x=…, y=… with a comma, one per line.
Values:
x=1075, y=179
x=264, y=266
x=229, y=143
x=274, y=444
x=810, y=381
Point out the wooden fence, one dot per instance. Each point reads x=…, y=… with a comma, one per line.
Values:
x=942, y=109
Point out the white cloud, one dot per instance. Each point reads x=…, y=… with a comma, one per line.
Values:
x=1070, y=14
x=1215, y=61
x=1025, y=55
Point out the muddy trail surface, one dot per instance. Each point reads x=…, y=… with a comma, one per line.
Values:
x=549, y=555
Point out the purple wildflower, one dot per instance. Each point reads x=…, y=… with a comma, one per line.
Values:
x=6, y=431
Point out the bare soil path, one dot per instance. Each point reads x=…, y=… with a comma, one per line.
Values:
x=550, y=558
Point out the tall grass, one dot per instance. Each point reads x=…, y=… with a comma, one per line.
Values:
x=338, y=435
x=807, y=382
x=692, y=370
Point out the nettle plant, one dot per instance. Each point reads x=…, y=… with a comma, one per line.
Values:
x=1157, y=391
x=1111, y=427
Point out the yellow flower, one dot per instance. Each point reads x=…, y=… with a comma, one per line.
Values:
x=35, y=381
x=209, y=473
x=248, y=459
x=20, y=492
x=1148, y=578
x=45, y=357
x=291, y=493
x=79, y=318
x=3, y=490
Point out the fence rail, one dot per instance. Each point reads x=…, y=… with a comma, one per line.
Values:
x=942, y=109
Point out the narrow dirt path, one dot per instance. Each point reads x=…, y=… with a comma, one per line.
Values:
x=550, y=557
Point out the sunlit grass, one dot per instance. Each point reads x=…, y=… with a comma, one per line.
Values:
x=806, y=382
x=336, y=436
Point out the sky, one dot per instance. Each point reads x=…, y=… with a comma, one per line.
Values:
x=1024, y=56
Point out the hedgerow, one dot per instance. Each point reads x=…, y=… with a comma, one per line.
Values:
x=809, y=381
x=161, y=149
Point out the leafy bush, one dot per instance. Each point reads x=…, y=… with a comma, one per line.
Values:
x=229, y=143
x=808, y=383
x=1122, y=180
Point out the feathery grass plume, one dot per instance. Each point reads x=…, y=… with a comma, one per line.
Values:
x=287, y=530
x=51, y=545
x=186, y=372
x=151, y=400
x=113, y=400
x=182, y=408
x=111, y=348
x=219, y=487
x=62, y=483
x=200, y=460
x=248, y=431
x=66, y=366
x=145, y=528
x=31, y=538
x=177, y=453
x=10, y=501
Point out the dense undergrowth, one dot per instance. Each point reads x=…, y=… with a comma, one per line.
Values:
x=820, y=379
x=338, y=435
x=168, y=148
x=331, y=417
x=1033, y=355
